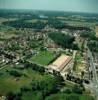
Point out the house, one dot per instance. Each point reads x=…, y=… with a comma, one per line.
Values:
x=62, y=64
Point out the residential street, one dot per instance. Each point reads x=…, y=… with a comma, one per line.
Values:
x=94, y=81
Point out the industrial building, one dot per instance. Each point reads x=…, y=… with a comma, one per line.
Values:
x=62, y=64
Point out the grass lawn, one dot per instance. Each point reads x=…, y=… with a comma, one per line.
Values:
x=31, y=95
x=64, y=96
x=9, y=83
x=43, y=57
x=78, y=60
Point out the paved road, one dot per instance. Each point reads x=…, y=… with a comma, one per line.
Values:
x=94, y=81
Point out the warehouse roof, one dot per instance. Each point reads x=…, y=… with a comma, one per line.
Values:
x=61, y=62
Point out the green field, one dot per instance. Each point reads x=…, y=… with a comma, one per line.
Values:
x=83, y=23
x=60, y=96
x=9, y=83
x=36, y=20
x=43, y=57
x=29, y=78
x=63, y=96
x=32, y=96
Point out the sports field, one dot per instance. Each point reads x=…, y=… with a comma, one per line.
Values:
x=43, y=57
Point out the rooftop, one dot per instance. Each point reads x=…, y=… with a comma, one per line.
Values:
x=60, y=63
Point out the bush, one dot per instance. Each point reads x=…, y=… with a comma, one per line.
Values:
x=15, y=73
x=10, y=96
x=68, y=91
x=77, y=89
x=35, y=67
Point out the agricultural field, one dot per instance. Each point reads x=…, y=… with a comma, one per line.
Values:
x=36, y=20
x=77, y=23
x=6, y=19
x=7, y=32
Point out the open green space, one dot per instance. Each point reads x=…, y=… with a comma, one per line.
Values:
x=10, y=83
x=32, y=95
x=63, y=96
x=37, y=95
x=31, y=84
x=43, y=57
x=36, y=20
x=77, y=23
x=78, y=60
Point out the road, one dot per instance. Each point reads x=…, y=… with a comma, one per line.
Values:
x=94, y=82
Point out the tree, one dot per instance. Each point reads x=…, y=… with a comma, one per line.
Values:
x=63, y=40
x=68, y=91
x=10, y=96
x=15, y=73
x=77, y=89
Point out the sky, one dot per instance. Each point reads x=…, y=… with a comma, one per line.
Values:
x=90, y=6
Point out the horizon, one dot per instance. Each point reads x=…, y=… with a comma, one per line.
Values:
x=61, y=11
